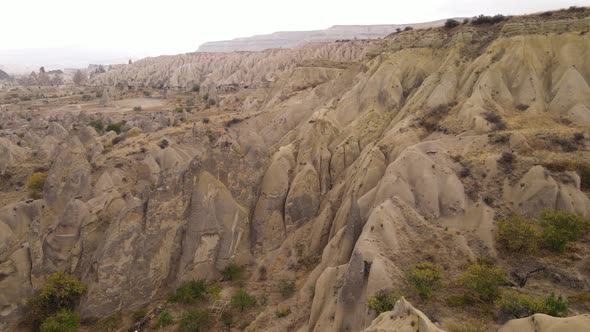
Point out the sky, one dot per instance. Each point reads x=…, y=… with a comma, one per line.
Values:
x=138, y=28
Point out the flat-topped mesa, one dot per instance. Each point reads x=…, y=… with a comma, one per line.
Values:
x=292, y=39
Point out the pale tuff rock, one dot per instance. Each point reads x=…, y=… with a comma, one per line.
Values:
x=545, y=323
x=403, y=318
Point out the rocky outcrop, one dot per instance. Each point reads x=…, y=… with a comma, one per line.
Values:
x=403, y=317
x=545, y=323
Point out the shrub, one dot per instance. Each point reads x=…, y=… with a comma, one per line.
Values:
x=86, y=98
x=483, y=280
x=519, y=305
x=242, y=300
x=109, y=324
x=483, y=19
x=215, y=291
x=522, y=107
x=205, y=120
x=383, y=301
x=286, y=287
x=555, y=306
x=97, y=124
x=116, y=127
x=283, y=312
x=164, y=319
x=194, y=321
x=133, y=132
x=36, y=181
x=190, y=292
x=408, y=29
x=450, y=23
x=63, y=321
x=232, y=272
x=426, y=278
x=206, y=96
x=137, y=108
x=196, y=88
x=309, y=262
x=61, y=291
x=496, y=120
x=118, y=139
x=227, y=319
x=519, y=234
x=560, y=227
x=163, y=144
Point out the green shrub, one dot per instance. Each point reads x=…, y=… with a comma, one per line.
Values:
x=383, y=301
x=86, y=97
x=227, y=319
x=232, y=272
x=63, y=321
x=194, y=321
x=286, y=287
x=109, y=324
x=97, y=124
x=215, y=291
x=36, y=181
x=61, y=291
x=555, y=306
x=164, y=319
x=519, y=234
x=190, y=292
x=483, y=280
x=560, y=227
x=450, y=23
x=242, y=300
x=426, y=278
x=133, y=132
x=519, y=305
x=116, y=127
x=283, y=312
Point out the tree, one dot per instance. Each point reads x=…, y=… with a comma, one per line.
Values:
x=242, y=300
x=426, y=278
x=484, y=281
x=79, y=77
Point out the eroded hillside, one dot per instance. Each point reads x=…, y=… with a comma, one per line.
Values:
x=335, y=168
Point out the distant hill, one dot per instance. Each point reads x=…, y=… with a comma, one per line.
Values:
x=291, y=39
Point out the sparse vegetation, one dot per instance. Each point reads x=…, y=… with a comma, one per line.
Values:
x=205, y=120
x=286, y=287
x=483, y=281
x=195, y=320
x=133, y=132
x=163, y=144
x=242, y=300
x=519, y=234
x=227, y=319
x=232, y=272
x=190, y=292
x=426, y=278
x=283, y=312
x=383, y=301
x=137, y=108
x=582, y=168
x=522, y=107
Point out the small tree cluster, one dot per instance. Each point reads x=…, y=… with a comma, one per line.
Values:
x=60, y=293
x=242, y=300
x=63, y=321
x=519, y=234
x=561, y=227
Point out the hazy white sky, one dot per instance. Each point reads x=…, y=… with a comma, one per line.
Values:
x=176, y=26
